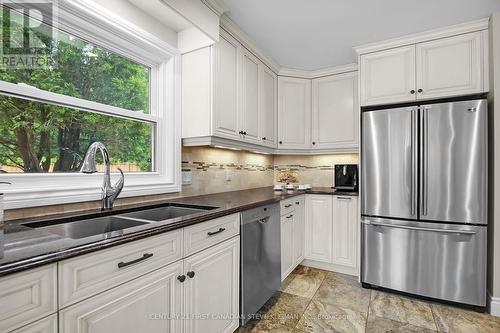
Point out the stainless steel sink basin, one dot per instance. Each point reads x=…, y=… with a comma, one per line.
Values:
x=112, y=225
x=164, y=213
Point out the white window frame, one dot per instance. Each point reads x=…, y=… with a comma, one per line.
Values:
x=98, y=25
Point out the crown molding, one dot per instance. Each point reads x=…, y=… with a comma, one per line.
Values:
x=217, y=6
x=477, y=25
x=291, y=72
x=234, y=30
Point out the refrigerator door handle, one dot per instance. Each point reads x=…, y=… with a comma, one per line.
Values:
x=424, y=159
x=414, y=161
x=446, y=231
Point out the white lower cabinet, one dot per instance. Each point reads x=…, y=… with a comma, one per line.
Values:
x=319, y=227
x=299, y=230
x=345, y=231
x=151, y=303
x=211, y=289
x=332, y=232
x=45, y=325
x=292, y=234
x=287, y=259
x=27, y=296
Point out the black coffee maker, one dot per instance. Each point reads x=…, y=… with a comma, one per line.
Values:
x=346, y=177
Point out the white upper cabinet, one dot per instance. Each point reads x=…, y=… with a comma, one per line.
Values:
x=451, y=66
x=269, y=105
x=335, y=114
x=250, y=110
x=227, y=55
x=294, y=113
x=388, y=76
x=442, y=67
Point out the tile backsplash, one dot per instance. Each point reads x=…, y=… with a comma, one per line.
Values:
x=316, y=170
x=219, y=170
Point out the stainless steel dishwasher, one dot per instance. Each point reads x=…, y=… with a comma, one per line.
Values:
x=260, y=258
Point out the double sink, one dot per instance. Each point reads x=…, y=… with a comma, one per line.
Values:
x=114, y=225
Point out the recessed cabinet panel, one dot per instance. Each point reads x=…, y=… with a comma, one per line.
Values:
x=294, y=113
x=250, y=113
x=319, y=232
x=213, y=289
x=345, y=231
x=226, y=87
x=335, y=114
x=45, y=325
x=388, y=76
x=450, y=66
x=269, y=103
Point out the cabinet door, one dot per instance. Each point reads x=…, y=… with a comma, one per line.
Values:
x=388, y=76
x=299, y=230
x=451, y=66
x=345, y=231
x=213, y=289
x=318, y=244
x=250, y=111
x=294, y=113
x=149, y=304
x=287, y=256
x=335, y=116
x=226, y=82
x=269, y=105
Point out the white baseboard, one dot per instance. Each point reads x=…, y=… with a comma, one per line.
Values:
x=494, y=305
x=330, y=267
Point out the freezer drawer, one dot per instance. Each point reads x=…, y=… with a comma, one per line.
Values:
x=443, y=261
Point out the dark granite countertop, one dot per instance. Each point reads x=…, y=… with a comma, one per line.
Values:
x=23, y=247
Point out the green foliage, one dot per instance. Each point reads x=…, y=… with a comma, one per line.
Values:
x=34, y=135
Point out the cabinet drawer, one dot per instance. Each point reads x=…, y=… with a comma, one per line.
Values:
x=287, y=206
x=206, y=234
x=93, y=273
x=45, y=325
x=27, y=296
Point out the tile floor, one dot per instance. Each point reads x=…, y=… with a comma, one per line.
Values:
x=313, y=300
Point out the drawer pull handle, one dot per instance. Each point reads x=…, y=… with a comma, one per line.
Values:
x=211, y=233
x=289, y=216
x=135, y=261
x=288, y=206
x=343, y=198
x=190, y=274
x=181, y=278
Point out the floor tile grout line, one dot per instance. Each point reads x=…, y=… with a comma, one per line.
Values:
x=368, y=312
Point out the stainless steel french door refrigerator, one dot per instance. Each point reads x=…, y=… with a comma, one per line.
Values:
x=424, y=200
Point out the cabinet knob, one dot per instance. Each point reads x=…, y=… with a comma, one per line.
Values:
x=181, y=278
x=420, y=90
x=412, y=91
x=314, y=143
x=190, y=274
x=240, y=132
x=264, y=138
x=281, y=142
x=244, y=133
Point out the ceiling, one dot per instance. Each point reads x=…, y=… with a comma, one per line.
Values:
x=315, y=34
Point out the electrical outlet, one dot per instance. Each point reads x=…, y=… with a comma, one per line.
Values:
x=228, y=175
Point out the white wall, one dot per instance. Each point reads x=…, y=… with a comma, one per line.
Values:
x=131, y=13
x=494, y=172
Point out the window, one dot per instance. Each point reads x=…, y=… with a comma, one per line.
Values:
x=122, y=94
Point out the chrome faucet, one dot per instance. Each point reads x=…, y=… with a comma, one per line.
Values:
x=109, y=192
